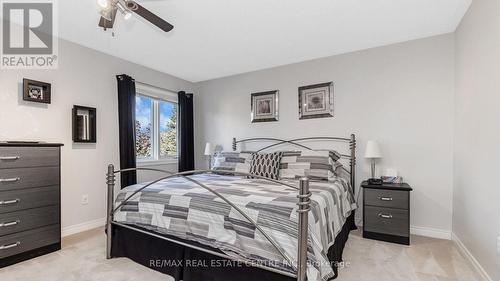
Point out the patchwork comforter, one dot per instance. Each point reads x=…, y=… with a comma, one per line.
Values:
x=183, y=209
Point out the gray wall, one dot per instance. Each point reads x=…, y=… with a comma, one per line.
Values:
x=476, y=200
x=85, y=77
x=401, y=95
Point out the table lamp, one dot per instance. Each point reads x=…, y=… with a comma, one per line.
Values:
x=209, y=151
x=373, y=153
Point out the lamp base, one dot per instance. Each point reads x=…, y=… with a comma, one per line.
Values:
x=374, y=181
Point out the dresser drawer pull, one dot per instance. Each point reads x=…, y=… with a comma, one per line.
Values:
x=13, y=245
x=385, y=198
x=11, y=223
x=384, y=216
x=10, y=180
x=9, y=158
x=9, y=202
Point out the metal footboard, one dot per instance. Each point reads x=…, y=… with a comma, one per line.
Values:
x=300, y=266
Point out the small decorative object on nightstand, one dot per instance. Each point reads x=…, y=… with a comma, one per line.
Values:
x=386, y=212
x=209, y=151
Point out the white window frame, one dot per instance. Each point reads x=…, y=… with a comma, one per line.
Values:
x=156, y=95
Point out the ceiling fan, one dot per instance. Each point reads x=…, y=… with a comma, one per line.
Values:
x=109, y=9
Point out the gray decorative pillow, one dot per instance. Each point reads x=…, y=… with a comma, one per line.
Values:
x=233, y=162
x=266, y=164
x=316, y=165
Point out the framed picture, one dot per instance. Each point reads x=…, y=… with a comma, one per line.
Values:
x=84, y=124
x=316, y=101
x=265, y=106
x=36, y=91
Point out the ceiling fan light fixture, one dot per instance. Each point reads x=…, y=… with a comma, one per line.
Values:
x=103, y=3
x=107, y=14
x=125, y=11
x=127, y=15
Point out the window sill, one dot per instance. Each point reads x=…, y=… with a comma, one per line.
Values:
x=148, y=163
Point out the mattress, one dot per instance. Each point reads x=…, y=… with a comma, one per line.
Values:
x=180, y=208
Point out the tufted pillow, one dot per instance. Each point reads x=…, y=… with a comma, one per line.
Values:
x=266, y=164
x=317, y=165
x=233, y=162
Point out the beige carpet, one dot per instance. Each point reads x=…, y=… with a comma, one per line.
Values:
x=83, y=258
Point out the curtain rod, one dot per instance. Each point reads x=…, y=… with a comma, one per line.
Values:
x=156, y=87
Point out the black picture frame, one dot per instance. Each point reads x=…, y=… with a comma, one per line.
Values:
x=324, y=93
x=84, y=124
x=270, y=100
x=36, y=91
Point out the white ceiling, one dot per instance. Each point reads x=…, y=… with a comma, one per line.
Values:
x=219, y=38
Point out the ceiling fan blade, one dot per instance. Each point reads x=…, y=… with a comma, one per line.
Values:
x=149, y=16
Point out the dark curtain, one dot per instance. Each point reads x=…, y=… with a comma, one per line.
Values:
x=186, y=132
x=126, y=119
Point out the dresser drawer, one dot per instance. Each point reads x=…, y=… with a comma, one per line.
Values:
x=21, y=199
x=28, y=177
x=386, y=221
x=387, y=198
x=28, y=240
x=28, y=219
x=20, y=157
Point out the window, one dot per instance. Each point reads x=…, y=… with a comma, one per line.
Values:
x=155, y=128
x=143, y=127
x=168, y=129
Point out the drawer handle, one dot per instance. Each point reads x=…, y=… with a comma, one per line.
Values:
x=13, y=245
x=11, y=223
x=384, y=216
x=385, y=198
x=10, y=180
x=10, y=202
x=9, y=158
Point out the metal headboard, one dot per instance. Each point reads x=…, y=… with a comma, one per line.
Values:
x=299, y=143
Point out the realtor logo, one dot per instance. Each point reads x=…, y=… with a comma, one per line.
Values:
x=28, y=35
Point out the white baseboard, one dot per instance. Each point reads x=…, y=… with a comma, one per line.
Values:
x=477, y=266
x=431, y=232
x=81, y=227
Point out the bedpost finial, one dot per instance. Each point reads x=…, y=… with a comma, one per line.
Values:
x=110, y=175
x=234, y=144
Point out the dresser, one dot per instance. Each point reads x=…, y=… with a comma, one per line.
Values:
x=386, y=212
x=30, y=201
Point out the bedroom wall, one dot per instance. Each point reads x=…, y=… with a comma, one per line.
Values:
x=476, y=192
x=401, y=95
x=84, y=77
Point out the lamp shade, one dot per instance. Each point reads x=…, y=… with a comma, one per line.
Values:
x=373, y=150
x=208, y=149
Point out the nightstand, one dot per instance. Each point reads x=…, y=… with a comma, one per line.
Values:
x=386, y=212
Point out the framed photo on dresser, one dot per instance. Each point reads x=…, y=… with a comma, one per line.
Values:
x=316, y=101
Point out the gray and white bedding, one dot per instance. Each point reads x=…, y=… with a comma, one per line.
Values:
x=183, y=209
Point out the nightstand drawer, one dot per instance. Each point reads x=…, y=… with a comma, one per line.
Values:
x=386, y=221
x=387, y=198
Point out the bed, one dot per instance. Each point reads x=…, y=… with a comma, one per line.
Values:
x=210, y=225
